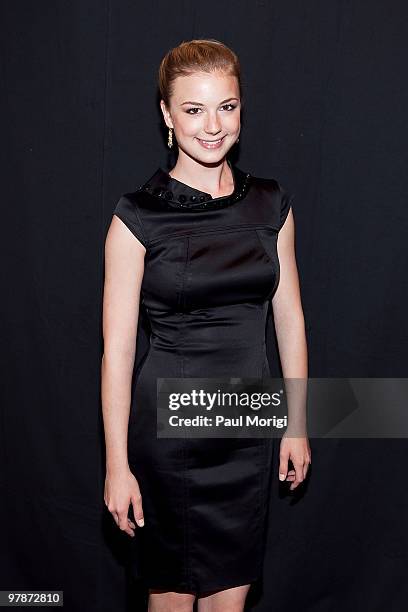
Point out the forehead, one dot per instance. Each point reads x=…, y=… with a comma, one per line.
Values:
x=205, y=87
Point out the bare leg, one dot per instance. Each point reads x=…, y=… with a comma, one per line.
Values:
x=228, y=600
x=170, y=601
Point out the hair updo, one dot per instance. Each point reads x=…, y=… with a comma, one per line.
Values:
x=199, y=55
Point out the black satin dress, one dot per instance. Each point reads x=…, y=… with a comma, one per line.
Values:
x=211, y=268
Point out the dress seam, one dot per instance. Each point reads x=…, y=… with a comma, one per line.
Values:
x=142, y=228
x=226, y=228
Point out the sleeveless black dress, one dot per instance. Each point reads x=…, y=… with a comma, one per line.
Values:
x=211, y=268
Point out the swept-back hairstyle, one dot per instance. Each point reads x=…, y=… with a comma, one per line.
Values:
x=198, y=55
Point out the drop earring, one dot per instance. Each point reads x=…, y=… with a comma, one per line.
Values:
x=170, y=138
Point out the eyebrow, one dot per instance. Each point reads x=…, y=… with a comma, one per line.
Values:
x=201, y=104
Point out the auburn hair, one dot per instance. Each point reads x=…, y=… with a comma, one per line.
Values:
x=198, y=55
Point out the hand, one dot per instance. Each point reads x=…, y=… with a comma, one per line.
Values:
x=298, y=451
x=122, y=489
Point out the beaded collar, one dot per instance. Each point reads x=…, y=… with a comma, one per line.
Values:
x=176, y=194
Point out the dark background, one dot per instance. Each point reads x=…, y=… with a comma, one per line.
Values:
x=326, y=102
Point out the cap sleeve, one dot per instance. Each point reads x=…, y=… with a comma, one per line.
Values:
x=286, y=203
x=127, y=212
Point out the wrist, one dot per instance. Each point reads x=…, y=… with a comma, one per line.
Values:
x=117, y=466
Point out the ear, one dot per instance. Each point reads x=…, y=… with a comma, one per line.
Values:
x=166, y=114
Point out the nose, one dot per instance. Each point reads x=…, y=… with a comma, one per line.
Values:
x=213, y=124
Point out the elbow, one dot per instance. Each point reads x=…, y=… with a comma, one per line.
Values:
x=117, y=359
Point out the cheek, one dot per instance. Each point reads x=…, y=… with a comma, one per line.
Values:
x=188, y=127
x=232, y=122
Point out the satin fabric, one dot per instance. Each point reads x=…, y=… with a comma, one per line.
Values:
x=210, y=272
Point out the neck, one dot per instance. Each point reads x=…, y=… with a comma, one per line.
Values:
x=215, y=179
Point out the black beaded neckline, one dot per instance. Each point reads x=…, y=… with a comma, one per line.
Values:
x=176, y=194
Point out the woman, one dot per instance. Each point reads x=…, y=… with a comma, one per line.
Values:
x=200, y=245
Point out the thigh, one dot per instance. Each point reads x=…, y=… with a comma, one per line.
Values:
x=232, y=599
x=164, y=601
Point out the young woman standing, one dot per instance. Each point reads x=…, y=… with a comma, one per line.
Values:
x=204, y=248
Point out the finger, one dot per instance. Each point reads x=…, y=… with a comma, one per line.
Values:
x=295, y=484
x=138, y=509
x=299, y=475
x=131, y=523
x=124, y=523
x=283, y=467
x=305, y=469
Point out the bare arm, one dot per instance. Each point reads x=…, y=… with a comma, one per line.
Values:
x=124, y=268
x=291, y=336
x=287, y=307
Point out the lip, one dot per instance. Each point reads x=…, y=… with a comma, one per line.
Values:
x=211, y=144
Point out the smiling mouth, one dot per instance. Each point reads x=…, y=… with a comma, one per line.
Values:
x=211, y=142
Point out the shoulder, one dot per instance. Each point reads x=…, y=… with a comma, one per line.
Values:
x=277, y=196
x=128, y=211
x=128, y=205
x=268, y=184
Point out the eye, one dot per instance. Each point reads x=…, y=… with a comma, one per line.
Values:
x=195, y=110
x=232, y=106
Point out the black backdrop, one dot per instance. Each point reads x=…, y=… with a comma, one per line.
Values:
x=326, y=99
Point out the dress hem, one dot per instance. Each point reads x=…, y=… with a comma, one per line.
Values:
x=209, y=587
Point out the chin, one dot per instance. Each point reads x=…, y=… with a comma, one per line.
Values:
x=212, y=157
